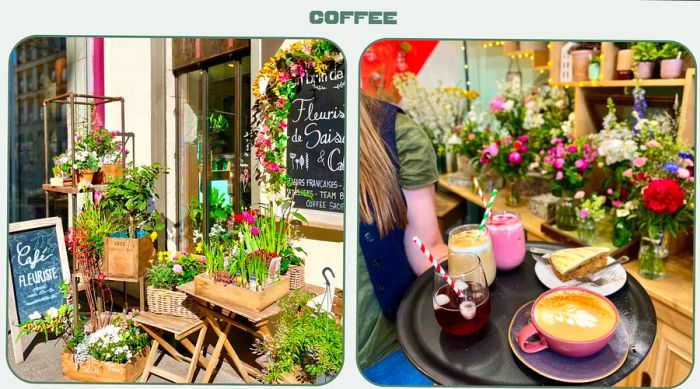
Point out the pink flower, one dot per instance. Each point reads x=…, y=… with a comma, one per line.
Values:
x=471, y=136
x=627, y=173
x=581, y=164
x=559, y=176
x=610, y=191
x=177, y=269
x=274, y=167
x=617, y=203
x=489, y=152
x=523, y=148
x=255, y=231
x=573, y=148
x=683, y=173
x=515, y=158
x=284, y=77
x=174, y=257
x=283, y=124
x=579, y=194
x=558, y=163
x=496, y=104
x=280, y=103
x=523, y=138
x=203, y=260
x=653, y=144
x=639, y=162
x=584, y=213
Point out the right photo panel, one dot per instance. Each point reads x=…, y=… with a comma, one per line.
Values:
x=526, y=213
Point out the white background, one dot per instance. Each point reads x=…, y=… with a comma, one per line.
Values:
x=437, y=19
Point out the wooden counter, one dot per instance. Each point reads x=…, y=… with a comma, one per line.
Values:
x=671, y=358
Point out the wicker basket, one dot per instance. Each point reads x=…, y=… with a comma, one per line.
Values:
x=170, y=302
x=296, y=277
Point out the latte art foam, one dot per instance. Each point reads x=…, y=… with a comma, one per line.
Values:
x=574, y=315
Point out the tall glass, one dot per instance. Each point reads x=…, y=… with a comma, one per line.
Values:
x=467, y=239
x=508, y=239
x=467, y=314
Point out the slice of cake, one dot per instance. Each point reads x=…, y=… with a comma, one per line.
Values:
x=578, y=262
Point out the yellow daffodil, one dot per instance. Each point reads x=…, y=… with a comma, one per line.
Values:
x=154, y=236
x=198, y=248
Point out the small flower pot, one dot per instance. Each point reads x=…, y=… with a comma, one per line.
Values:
x=671, y=68
x=625, y=60
x=594, y=71
x=85, y=176
x=645, y=70
x=580, y=60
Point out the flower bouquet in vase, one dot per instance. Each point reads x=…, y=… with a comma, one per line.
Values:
x=473, y=136
x=591, y=212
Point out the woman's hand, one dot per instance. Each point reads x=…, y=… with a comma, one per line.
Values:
x=422, y=222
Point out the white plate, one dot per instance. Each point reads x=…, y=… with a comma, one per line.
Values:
x=549, y=279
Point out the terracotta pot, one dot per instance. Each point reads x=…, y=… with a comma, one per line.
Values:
x=671, y=68
x=580, y=60
x=111, y=171
x=645, y=70
x=85, y=176
x=624, y=60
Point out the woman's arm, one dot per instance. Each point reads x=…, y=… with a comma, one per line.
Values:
x=422, y=222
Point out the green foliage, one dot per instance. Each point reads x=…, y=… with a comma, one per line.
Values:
x=645, y=51
x=96, y=223
x=131, y=198
x=306, y=337
x=219, y=213
x=172, y=269
x=55, y=321
x=670, y=50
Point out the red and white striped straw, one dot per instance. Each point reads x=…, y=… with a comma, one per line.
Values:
x=479, y=191
x=436, y=265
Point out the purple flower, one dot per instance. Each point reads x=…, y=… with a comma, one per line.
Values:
x=671, y=167
x=255, y=231
x=177, y=269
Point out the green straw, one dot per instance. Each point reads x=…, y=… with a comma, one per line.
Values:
x=487, y=213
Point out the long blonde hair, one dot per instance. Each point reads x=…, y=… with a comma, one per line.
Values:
x=381, y=202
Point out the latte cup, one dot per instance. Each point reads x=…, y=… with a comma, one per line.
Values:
x=579, y=339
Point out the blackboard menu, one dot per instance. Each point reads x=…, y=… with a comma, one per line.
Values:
x=316, y=145
x=35, y=263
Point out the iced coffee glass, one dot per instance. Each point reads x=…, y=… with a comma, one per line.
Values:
x=467, y=239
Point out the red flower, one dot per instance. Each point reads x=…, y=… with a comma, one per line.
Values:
x=664, y=196
x=238, y=218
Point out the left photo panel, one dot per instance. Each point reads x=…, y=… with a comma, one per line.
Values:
x=175, y=210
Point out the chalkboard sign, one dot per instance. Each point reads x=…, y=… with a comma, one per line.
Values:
x=38, y=264
x=316, y=145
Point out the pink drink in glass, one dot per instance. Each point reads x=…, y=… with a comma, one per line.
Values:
x=507, y=238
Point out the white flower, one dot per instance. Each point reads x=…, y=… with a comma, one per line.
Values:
x=34, y=316
x=52, y=312
x=622, y=212
x=508, y=105
x=262, y=84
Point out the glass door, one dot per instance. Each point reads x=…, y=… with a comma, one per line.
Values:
x=214, y=170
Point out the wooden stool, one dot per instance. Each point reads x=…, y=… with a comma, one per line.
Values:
x=181, y=328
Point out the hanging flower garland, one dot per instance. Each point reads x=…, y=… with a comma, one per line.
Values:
x=274, y=89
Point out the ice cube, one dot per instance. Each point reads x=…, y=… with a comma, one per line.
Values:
x=467, y=309
x=461, y=285
x=440, y=300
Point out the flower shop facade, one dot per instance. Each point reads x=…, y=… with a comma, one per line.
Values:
x=191, y=186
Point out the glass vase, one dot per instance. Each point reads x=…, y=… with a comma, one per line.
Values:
x=586, y=230
x=621, y=231
x=565, y=215
x=653, y=251
x=513, y=199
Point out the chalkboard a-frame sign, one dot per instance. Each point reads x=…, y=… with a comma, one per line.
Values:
x=316, y=144
x=38, y=264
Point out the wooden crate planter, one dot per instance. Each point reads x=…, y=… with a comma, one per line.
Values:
x=207, y=288
x=93, y=370
x=127, y=258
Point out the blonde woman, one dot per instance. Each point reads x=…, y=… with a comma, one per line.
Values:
x=397, y=201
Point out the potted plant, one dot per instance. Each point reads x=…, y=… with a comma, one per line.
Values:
x=86, y=164
x=307, y=347
x=116, y=352
x=645, y=56
x=473, y=136
x=107, y=146
x=580, y=58
x=167, y=271
x=61, y=170
x=671, y=61
x=625, y=61
x=131, y=200
x=594, y=68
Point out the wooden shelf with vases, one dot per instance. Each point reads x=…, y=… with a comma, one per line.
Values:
x=675, y=82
